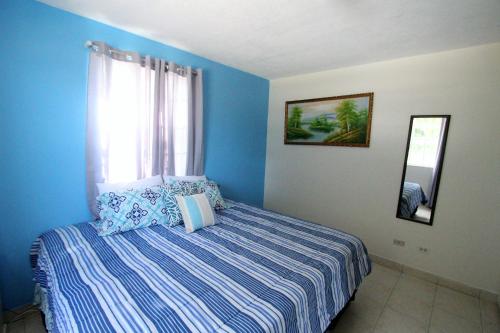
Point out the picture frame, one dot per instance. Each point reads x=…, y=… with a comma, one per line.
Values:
x=329, y=121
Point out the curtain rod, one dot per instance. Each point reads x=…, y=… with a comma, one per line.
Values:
x=182, y=69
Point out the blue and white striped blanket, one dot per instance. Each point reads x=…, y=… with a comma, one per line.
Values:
x=413, y=195
x=254, y=271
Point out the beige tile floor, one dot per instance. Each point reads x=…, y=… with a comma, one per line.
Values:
x=390, y=302
x=393, y=302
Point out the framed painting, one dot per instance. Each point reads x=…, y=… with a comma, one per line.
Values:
x=329, y=121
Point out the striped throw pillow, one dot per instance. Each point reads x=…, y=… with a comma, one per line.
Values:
x=196, y=211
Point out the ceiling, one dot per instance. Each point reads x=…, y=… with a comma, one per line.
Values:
x=277, y=38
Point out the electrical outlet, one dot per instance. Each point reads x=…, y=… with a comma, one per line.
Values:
x=398, y=242
x=423, y=249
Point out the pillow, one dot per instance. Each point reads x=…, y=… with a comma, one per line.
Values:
x=203, y=186
x=132, y=209
x=184, y=188
x=214, y=196
x=169, y=192
x=188, y=187
x=170, y=179
x=196, y=211
x=138, y=184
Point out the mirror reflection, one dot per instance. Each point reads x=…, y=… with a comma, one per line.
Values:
x=422, y=168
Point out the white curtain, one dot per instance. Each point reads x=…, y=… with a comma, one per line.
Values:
x=142, y=120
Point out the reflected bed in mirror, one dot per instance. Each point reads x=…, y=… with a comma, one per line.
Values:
x=422, y=168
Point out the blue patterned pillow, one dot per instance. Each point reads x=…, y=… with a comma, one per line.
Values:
x=185, y=188
x=211, y=189
x=202, y=186
x=170, y=191
x=132, y=209
x=188, y=187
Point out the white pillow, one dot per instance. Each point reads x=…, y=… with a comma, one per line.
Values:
x=169, y=179
x=138, y=184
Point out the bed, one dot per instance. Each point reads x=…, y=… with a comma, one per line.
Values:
x=254, y=271
x=413, y=196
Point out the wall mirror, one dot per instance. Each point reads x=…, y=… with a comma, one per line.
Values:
x=422, y=168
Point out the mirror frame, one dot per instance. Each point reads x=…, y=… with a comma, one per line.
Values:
x=443, y=150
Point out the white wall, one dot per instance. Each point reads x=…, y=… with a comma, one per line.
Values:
x=356, y=189
x=420, y=175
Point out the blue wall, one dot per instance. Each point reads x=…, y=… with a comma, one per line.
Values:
x=43, y=81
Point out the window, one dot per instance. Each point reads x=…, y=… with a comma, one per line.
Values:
x=126, y=126
x=119, y=125
x=424, y=142
x=144, y=118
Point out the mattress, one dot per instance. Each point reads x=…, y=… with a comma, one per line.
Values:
x=254, y=271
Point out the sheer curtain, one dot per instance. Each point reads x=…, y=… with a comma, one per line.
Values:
x=142, y=120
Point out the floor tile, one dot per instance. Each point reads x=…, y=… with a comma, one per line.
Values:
x=491, y=328
x=379, y=284
x=489, y=312
x=374, y=290
x=16, y=327
x=34, y=323
x=350, y=323
x=394, y=322
x=366, y=309
x=459, y=304
x=445, y=322
x=410, y=306
x=383, y=276
x=416, y=288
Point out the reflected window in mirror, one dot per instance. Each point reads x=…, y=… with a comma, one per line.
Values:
x=422, y=168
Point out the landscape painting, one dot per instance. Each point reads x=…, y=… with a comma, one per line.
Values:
x=335, y=121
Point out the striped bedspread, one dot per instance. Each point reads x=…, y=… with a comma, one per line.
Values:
x=413, y=195
x=254, y=271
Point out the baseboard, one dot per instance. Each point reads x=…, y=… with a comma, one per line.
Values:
x=441, y=281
